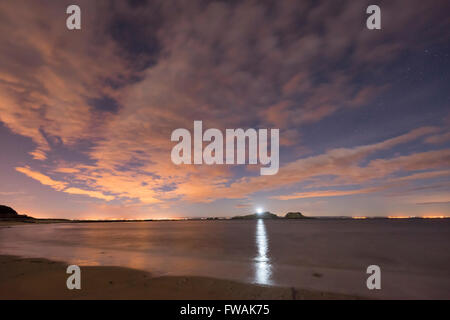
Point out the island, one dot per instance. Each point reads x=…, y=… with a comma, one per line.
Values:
x=263, y=215
x=296, y=215
x=270, y=215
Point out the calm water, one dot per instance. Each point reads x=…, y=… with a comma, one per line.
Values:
x=331, y=255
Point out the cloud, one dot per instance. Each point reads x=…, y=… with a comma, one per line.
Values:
x=66, y=170
x=385, y=185
x=62, y=186
x=289, y=64
x=433, y=203
x=341, y=166
x=92, y=194
x=243, y=205
x=43, y=179
x=325, y=194
x=11, y=193
x=344, y=164
x=439, y=138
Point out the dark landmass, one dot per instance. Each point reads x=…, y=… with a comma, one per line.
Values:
x=264, y=215
x=9, y=214
x=269, y=215
x=296, y=215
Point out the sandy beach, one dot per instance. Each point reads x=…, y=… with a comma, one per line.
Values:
x=22, y=278
x=206, y=259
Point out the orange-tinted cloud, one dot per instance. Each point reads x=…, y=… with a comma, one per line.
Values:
x=92, y=194
x=43, y=179
x=62, y=89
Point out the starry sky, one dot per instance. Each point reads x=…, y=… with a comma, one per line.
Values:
x=86, y=115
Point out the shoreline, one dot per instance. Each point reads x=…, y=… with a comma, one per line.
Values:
x=31, y=278
x=33, y=221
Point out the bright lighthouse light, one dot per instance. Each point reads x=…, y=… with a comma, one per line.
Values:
x=259, y=210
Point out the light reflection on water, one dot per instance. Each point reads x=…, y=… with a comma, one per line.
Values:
x=241, y=251
x=263, y=267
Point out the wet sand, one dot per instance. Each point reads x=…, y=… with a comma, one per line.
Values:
x=10, y=223
x=25, y=278
x=6, y=224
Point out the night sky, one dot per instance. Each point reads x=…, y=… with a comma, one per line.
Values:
x=86, y=116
